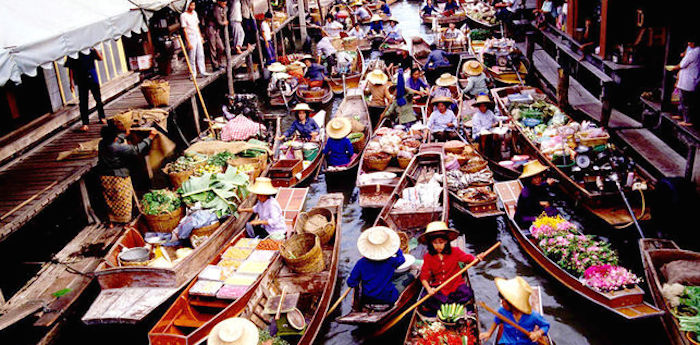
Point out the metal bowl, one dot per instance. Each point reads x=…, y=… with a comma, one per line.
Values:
x=136, y=254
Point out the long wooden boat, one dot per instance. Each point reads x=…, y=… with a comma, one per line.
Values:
x=276, y=98
x=285, y=172
x=655, y=253
x=315, y=289
x=352, y=79
x=353, y=106
x=628, y=303
x=191, y=317
x=316, y=97
x=458, y=17
x=420, y=49
x=505, y=73
x=606, y=205
x=456, y=96
x=475, y=22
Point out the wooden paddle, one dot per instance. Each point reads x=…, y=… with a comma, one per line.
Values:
x=340, y=299
x=479, y=258
x=279, y=306
x=542, y=340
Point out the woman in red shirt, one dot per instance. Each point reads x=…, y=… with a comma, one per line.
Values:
x=439, y=264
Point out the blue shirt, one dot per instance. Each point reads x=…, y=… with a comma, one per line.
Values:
x=416, y=84
x=376, y=26
x=451, y=6
x=385, y=8
x=315, y=72
x=338, y=151
x=438, y=58
x=428, y=10
x=376, y=277
x=304, y=129
x=513, y=336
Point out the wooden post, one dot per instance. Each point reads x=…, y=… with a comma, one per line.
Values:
x=87, y=207
x=530, y=48
x=667, y=84
x=563, y=88
x=229, y=67
x=603, y=42
x=606, y=109
x=302, y=19
x=690, y=162
x=320, y=11
x=195, y=114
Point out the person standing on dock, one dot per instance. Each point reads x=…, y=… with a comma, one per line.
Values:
x=266, y=29
x=248, y=23
x=215, y=27
x=236, y=20
x=688, y=79
x=193, y=40
x=532, y=201
x=114, y=153
x=82, y=72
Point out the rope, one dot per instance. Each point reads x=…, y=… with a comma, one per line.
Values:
x=70, y=269
x=644, y=206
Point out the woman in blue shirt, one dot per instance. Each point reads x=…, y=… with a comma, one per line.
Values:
x=338, y=150
x=379, y=246
x=375, y=26
x=385, y=8
x=428, y=9
x=515, y=305
x=450, y=8
x=306, y=127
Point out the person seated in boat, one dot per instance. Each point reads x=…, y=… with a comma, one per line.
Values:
x=533, y=199
x=384, y=7
x=339, y=150
x=441, y=262
x=428, y=9
x=378, y=87
x=303, y=125
x=357, y=31
x=400, y=111
x=361, y=13
x=436, y=64
x=332, y=27
x=315, y=72
x=417, y=85
x=270, y=216
x=325, y=51
x=453, y=36
x=451, y=6
x=443, y=89
x=235, y=331
x=344, y=62
x=477, y=83
x=374, y=272
x=400, y=59
x=515, y=305
x=375, y=26
x=393, y=32
x=484, y=119
x=443, y=122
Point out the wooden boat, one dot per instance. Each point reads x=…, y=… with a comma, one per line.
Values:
x=191, y=317
x=450, y=45
x=456, y=96
x=352, y=79
x=458, y=17
x=276, y=99
x=606, y=205
x=475, y=22
x=655, y=253
x=420, y=49
x=322, y=96
x=316, y=289
x=353, y=106
x=286, y=172
x=502, y=70
x=628, y=303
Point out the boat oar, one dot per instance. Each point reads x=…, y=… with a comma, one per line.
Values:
x=340, y=299
x=425, y=298
x=510, y=322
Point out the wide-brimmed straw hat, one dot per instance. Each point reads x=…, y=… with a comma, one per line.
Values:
x=123, y=121
x=473, y=67
x=443, y=99
x=301, y=107
x=436, y=229
x=482, y=99
x=392, y=19
x=378, y=243
x=263, y=186
x=281, y=75
x=532, y=168
x=277, y=67
x=446, y=79
x=234, y=331
x=516, y=291
x=338, y=127
x=377, y=77
x=375, y=18
x=307, y=57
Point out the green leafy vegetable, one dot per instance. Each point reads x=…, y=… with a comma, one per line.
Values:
x=220, y=159
x=265, y=336
x=221, y=193
x=160, y=201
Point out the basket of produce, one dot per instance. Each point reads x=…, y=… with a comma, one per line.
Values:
x=449, y=314
x=377, y=161
x=404, y=158
x=302, y=253
x=156, y=92
x=454, y=146
x=319, y=221
x=206, y=230
x=181, y=169
x=358, y=141
x=474, y=164
x=350, y=43
x=162, y=210
x=477, y=195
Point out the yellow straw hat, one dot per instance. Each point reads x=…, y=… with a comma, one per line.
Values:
x=301, y=107
x=277, y=67
x=123, y=121
x=482, y=99
x=263, y=186
x=532, y=168
x=378, y=243
x=338, y=127
x=443, y=99
x=473, y=67
x=375, y=18
x=234, y=331
x=516, y=291
x=446, y=79
x=377, y=77
x=435, y=229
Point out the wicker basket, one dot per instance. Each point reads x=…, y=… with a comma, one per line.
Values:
x=592, y=142
x=302, y=253
x=177, y=178
x=156, y=92
x=454, y=146
x=404, y=162
x=260, y=163
x=359, y=144
x=474, y=166
x=325, y=233
x=404, y=241
x=206, y=230
x=376, y=163
x=163, y=222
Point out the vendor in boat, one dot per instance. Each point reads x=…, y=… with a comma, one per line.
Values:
x=339, y=150
x=374, y=272
x=436, y=64
x=443, y=89
x=270, y=216
x=332, y=27
x=375, y=26
x=443, y=122
x=400, y=59
x=451, y=6
x=357, y=31
x=325, y=51
x=384, y=7
x=477, y=83
x=305, y=126
x=401, y=109
x=315, y=72
x=532, y=201
x=428, y=9
x=515, y=305
x=114, y=153
x=453, y=36
x=234, y=331
x=393, y=32
x=441, y=262
x=484, y=119
x=416, y=84
x=378, y=87
x=361, y=13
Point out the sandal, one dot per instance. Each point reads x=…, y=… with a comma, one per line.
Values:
x=84, y=128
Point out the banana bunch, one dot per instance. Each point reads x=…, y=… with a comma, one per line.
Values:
x=450, y=312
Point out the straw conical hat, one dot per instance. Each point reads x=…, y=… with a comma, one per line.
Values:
x=281, y=75
x=446, y=79
x=263, y=186
x=301, y=107
x=516, y=291
x=392, y=19
x=443, y=99
x=378, y=243
x=307, y=57
x=375, y=18
x=277, y=67
x=338, y=127
x=438, y=228
x=234, y=331
x=473, y=67
x=377, y=77
x=482, y=99
x=532, y=168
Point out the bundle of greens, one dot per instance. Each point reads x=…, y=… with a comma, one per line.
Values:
x=187, y=162
x=266, y=339
x=220, y=159
x=479, y=34
x=220, y=193
x=160, y=201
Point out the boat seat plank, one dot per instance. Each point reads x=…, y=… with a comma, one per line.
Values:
x=125, y=304
x=187, y=322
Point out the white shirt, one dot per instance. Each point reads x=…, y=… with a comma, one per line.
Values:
x=266, y=31
x=271, y=211
x=236, y=15
x=324, y=47
x=356, y=33
x=333, y=28
x=454, y=34
x=689, y=74
x=514, y=5
x=438, y=121
x=190, y=23
x=362, y=13
x=482, y=121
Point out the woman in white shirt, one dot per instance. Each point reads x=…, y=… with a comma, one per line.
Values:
x=443, y=122
x=193, y=40
x=356, y=31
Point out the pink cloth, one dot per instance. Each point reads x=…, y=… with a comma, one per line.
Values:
x=240, y=128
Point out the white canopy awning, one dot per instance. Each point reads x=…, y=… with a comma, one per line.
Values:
x=36, y=33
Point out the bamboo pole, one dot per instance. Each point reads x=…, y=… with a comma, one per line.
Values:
x=194, y=80
x=25, y=202
x=337, y=303
x=542, y=339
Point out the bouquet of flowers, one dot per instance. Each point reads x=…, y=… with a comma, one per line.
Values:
x=609, y=277
x=545, y=226
x=575, y=252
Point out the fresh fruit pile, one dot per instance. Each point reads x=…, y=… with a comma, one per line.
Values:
x=186, y=162
x=451, y=312
x=207, y=168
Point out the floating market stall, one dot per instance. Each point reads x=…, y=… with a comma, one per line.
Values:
x=297, y=162
x=355, y=109
x=504, y=62
x=457, y=17
x=340, y=82
x=481, y=14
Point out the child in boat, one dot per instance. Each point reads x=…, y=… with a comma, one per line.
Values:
x=401, y=109
x=270, y=217
x=379, y=246
x=515, y=305
x=443, y=122
x=439, y=264
x=477, y=83
x=532, y=201
x=339, y=151
x=305, y=126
